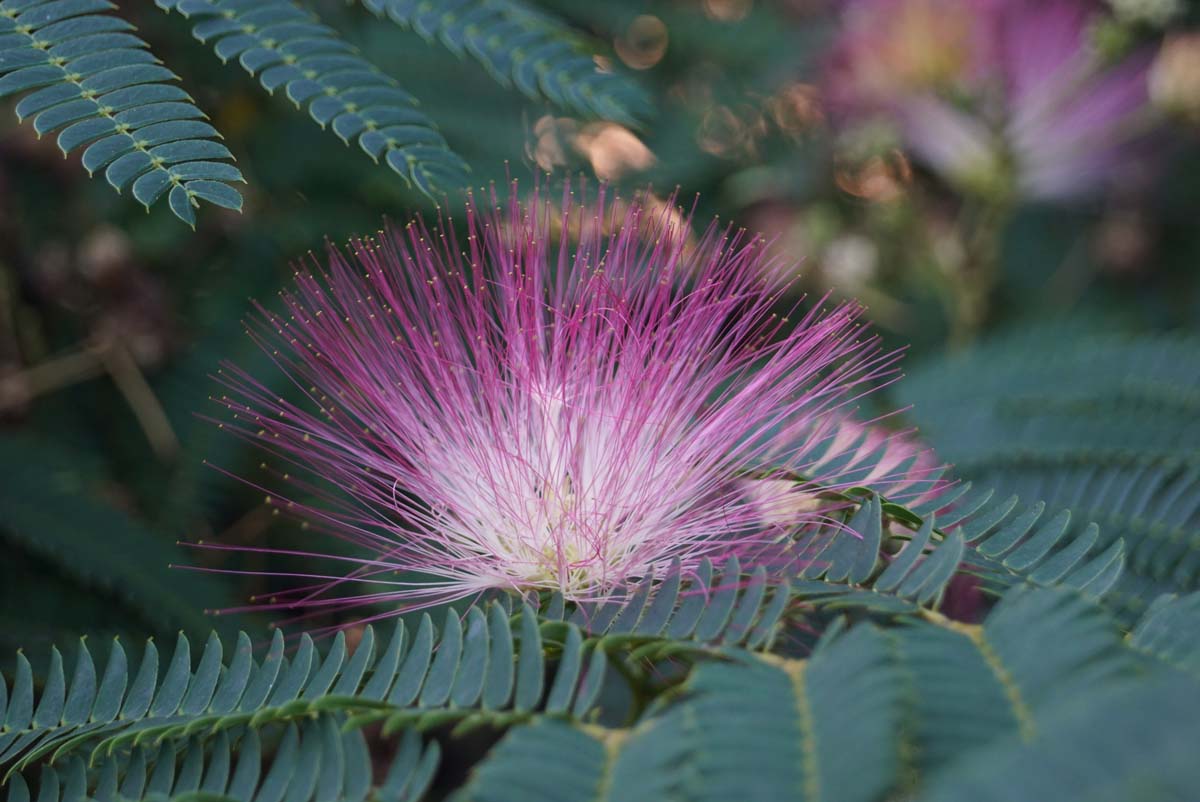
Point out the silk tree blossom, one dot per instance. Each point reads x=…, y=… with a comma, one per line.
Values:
x=996, y=95
x=521, y=410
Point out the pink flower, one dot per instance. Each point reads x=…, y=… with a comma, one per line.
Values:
x=526, y=411
x=996, y=95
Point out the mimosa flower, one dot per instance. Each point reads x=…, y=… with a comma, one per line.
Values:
x=998, y=96
x=520, y=410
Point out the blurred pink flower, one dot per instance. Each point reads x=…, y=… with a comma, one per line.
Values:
x=892, y=463
x=995, y=95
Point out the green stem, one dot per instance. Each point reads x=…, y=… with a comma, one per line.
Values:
x=641, y=691
x=974, y=285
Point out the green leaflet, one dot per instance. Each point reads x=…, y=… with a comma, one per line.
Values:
x=292, y=52
x=522, y=47
x=490, y=671
x=1000, y=541
x=1170, y=631
x=1134, y=743
x=1103, y=425
x=87, y=78
x=84, y=75
x=872, y=712
x=974, y=684
x=314, y=760
x=803, y=728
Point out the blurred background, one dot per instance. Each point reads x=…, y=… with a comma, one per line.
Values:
x=1010, y=187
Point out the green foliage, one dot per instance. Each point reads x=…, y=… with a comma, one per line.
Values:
x=485, y=669
x=1102, y=425
x=85, y=73
x=1047, y=393
x=1137, y=743
x=191, y=493
x=972, y=685
x=1170, y=631
x=803, y=725
x=522, y=47
x=872, y=714
x=550, y=761
x=873, y=711
x=288, y=49
x=315, y=760
x=731, y=609
x=874, y=561
x=51, y=498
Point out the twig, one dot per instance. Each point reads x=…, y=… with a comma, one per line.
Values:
x=56, y=374
x=92, y=362
x=141, y=399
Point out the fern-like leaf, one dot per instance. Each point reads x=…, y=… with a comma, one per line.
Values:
x=314, y=760
x=872, y=712
x=522, y=47
x=1170, y=631
x=486, y=669
x=1001, y=541
x=813, y=719
x=288, y=49
x=1099, y=424
x=551, y=761
x=87, y=76
x=971, y=685
x=1136, y=742
x=870, y=715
